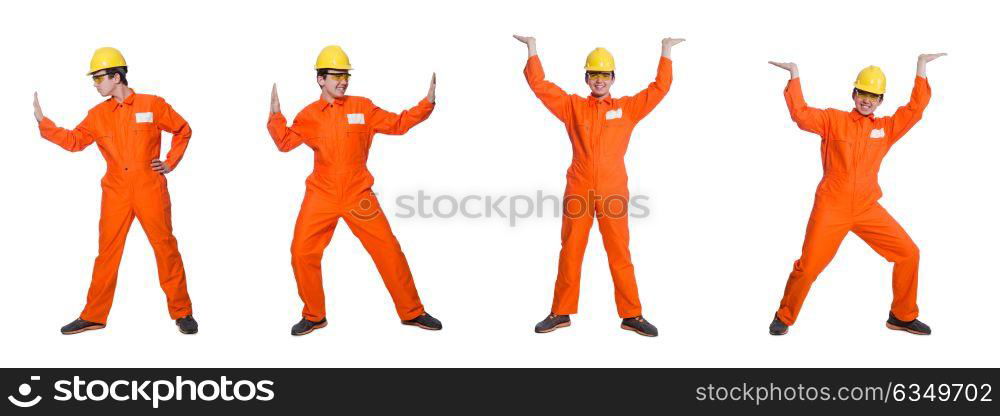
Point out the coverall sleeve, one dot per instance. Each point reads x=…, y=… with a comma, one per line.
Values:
x=169, y=121
x=73, y=140
x=809, y=119
x=386, y=122
x=286, y=138
x=639, y=105
x=553, y=97
x=908, y=115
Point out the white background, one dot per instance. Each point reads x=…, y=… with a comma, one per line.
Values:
x=729, y=176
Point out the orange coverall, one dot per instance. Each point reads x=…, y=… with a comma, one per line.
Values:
x=340, y=135
x=596, y=182
x=128, y=135
x=847, y=197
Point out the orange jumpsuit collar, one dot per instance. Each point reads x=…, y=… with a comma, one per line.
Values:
x=336, y=101
x=127, y=101
x=855, y=115
x=606, y=99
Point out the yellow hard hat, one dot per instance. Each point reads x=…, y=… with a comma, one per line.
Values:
x=600, y=60
x=332, y=57
x=105, y=58
x=871, y=79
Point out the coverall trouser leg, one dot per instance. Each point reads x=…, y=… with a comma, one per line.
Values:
x=313, y=232
x=613, y=223
x=368, y=222
x=890, y=241
x=152, y=207
x=578, y=218
x=116, y=219
x=824, y=234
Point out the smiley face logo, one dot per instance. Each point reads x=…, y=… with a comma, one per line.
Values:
x=24, y=390
x=366, y=209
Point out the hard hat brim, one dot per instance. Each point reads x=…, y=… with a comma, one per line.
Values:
x=101, y=69
x=868, y=89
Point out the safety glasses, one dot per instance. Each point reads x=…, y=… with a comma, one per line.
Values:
x=865, y=95
x=339, y=76
x=601, y=76
x=100, y=78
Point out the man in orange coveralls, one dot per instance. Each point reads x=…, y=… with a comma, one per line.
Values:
x=599, y=128
x=339, y=129
x=853, y=146
x=126, y=128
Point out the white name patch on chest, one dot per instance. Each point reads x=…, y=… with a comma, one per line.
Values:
x=356, y=118
x=877, y=134
x=613, y=114
x=143, y=117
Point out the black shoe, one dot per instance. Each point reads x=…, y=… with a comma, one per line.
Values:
x=79, y=326
x=913, y=327
x=778, y=327
x=187, y=325
x=425, y=321
x=552, y=323
x=306, y=326
x=640, y=325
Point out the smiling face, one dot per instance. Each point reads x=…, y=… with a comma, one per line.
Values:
x=334, y=83
x=600, y=83
x=866, y=102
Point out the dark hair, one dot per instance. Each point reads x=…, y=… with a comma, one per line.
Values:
x=856, y=91
x=120, y=70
